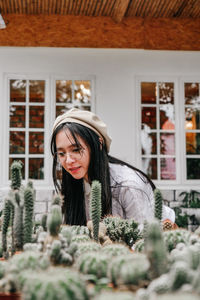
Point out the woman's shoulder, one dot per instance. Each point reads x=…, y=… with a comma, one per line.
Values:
x=122, y=174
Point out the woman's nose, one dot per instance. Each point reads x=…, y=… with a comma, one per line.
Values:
x=68, y=158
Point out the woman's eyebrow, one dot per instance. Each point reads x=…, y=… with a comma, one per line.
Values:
x=69, y=147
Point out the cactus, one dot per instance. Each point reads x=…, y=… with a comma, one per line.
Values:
x=54, y=220
x=44, y=222
x=18, y=223
x=155, y=249
x=93, y=263
x=55, y=284
x=129, y=269
x=6, y=221
x=174, y=237
x=158, y=204
x=139, y=246
x=86, y=247
x=58, y=255
x=80, y=238
x=115, y=250
x=28, y=214
x=95, y=207
x=16, y=176
x=120, y=230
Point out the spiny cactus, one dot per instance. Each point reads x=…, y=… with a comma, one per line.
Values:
x=174, y=237
x=106, y=295
x=80, y=238
x=54, y=220
x=155, y=249
x=6, y=220
x=58, y=255
x=115, y=250
x=158, y=204
x=86, y=247
x=56, y=284
x=16, y=176
x=129, y=269
x=120, y=230
x=93, y=263
x=139, y=246
x=44, y=222
x=95, y=207
x=28, y=214
x=18, y=223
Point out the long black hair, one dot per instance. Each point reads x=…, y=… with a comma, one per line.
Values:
x=72, y=189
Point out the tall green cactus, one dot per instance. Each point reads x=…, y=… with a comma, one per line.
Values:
x=28, y=213
x=158, y=204
x=6, y=221
x=95, y=207
x=16, y=176
x=18, y=223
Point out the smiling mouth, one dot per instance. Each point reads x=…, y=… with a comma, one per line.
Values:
x=74, y=170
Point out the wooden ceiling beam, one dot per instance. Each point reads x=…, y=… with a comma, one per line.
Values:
x=119, y=10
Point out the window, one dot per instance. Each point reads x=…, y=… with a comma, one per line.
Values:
x=26, y=126
x=158, y=130
x=33, y=106
x=192, y=129
x=72, y=93
x=170, y=130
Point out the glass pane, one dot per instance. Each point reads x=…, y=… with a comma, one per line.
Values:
x=167, y=143
x=82, y=91
x=11, y=159
x=193, y=167
x=168, y=168
x=17, y=142
x=167, y=120
x=166, y=92
x=148, y=92
x=36, y=168
x=191, y=92
x=149, y=166
x=63, y=91
x=17, y=90
x=148, y=142
x=193, y=143
x=149, y=116
x=192, y=118
x=36, y=117
x=36, y=90
x=17, y=116
x=36, y=142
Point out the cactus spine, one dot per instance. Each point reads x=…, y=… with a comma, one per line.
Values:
x=95, y=207
x=158, y=204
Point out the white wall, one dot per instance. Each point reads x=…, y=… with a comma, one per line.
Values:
x=114, y=71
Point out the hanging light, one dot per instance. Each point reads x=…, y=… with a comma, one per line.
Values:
x=2, y=23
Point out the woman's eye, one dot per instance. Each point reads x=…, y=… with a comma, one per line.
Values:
x=76, y=150
x=61, y=154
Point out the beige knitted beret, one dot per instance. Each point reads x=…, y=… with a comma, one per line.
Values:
x=87, y=119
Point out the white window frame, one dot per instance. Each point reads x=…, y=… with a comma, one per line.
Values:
x=49, y=108
x=180, y=151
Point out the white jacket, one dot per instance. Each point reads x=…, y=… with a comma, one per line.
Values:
x=132, y=195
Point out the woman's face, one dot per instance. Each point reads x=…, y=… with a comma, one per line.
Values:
x=75, y=160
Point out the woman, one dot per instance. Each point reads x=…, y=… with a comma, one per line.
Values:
x=80, y=145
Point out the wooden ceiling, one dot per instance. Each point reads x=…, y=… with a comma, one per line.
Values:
x=117, y=9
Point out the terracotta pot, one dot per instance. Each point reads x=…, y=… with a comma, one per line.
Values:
x=10, y=296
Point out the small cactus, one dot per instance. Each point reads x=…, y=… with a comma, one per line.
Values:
x=95, y=207
x=155, y=249
x=93, y=263
x=115, y=250
x=6, y=220
x=54, y=220
x=16, y=176
x=158, y=204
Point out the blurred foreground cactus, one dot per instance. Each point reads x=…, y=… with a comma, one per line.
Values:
x=158, y=204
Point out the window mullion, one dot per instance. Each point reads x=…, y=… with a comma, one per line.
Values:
x=27, y=132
